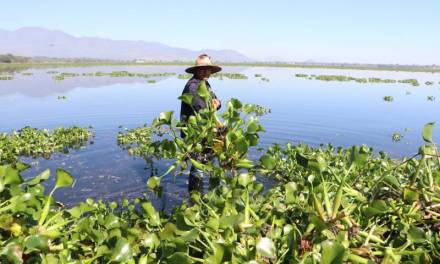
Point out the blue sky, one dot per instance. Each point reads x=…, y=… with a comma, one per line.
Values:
x=391, y=31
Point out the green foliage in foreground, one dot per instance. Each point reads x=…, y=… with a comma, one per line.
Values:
x=34, y=142
x=329, y=205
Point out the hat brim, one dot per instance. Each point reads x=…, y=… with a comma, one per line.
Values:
x=214, y=68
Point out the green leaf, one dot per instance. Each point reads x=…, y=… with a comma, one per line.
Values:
x=40, y=178
x=253, y=126
x=244, y=163
x=332, y=252
x=198, y=165
x=202, y=90
x=36, y=242
x=152, y=214
x=244, y=179
x=235, y=103
x=20, y=166
x=153, y=182
x=179, y=258
x=392, y=180
x=317, y=164
x=167, y=232
x=121, y=251
x=151, y=241
x=165, y=117
x=290, y=188
x=268, y=162
x=416, y=235
x=427, y=132
x=50, y=259
x=63, y=179
x=391, y=257
x=410, y=195
x=358, y=155
x=13, y=253
x=111, y=221
x=12, y=176
x=266, y=247
x=187, y=98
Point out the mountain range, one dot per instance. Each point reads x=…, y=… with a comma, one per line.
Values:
x=41, y=42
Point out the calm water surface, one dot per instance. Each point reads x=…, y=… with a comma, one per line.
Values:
x=309, y=111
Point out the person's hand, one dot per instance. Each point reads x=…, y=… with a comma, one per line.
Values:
x=216, y=103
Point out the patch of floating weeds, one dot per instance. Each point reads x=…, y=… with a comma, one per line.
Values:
x=388, y=98
x=151, y=81
x=88, y=74
x=62, y=97
x=258, y=75
x=138, y=141
x=430, y=98
x=51, y=72
x=429, y=83
x=343, y=78
x=27, y=73
x=64, y=75
x=222, y=75
x=328, y=206
x=184, y=76
x=413, y=82
x=32, y=142
x=229, y=75
x=379, y=80
x=397, y=137
x=301, y=75
x=262, y=78
x=6, y=78
x=115, y=74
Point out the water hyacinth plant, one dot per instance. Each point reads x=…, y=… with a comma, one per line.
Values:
x=329, y=205
x=34, y=142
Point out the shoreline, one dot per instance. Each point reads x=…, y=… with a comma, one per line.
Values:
x=18, y=66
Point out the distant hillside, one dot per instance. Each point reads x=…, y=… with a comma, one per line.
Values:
x=40, y=42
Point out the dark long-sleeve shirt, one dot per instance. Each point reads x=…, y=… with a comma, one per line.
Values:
x=198, y=103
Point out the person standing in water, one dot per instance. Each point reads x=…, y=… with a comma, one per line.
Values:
x=201, y=71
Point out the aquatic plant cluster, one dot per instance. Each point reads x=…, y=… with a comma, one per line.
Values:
x=32, y=142
x=138, y=141
x=388, y=98
x=343, y=78
x=6, y=78
x=221, y=75
x=119, y=74
x=124, y=74
x=330, y=205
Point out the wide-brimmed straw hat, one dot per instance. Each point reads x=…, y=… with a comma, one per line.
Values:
x=203, y=61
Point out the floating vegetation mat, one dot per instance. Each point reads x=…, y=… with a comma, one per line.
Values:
x=343, y=78
x=116, y=74
x=34, y=142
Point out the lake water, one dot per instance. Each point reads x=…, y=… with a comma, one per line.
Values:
x=309, y=111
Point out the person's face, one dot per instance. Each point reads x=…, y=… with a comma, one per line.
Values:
x=203, y=73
